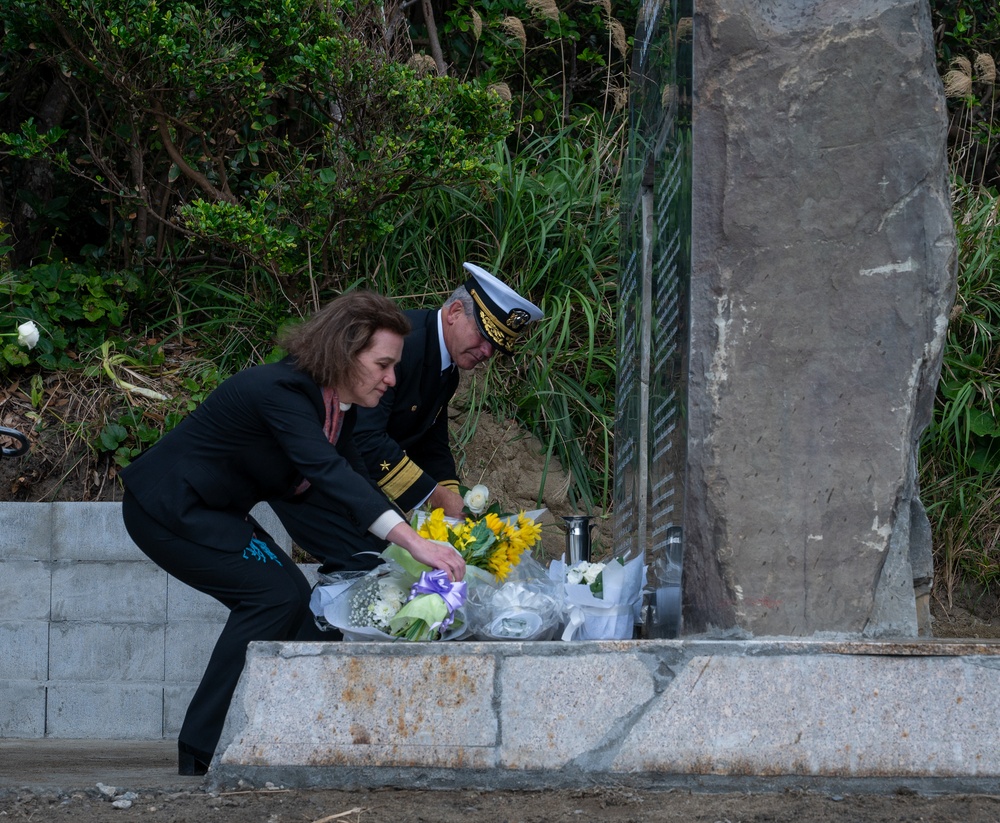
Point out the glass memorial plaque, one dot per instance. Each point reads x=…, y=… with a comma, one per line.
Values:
x=650, y=429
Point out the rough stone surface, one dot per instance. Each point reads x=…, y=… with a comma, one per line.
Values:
x=112, y=592
x=550, y=726
x=24, y=708
x=25, y=531
x=25, y=650
x=821, y=715
x=88, y=623
x=823, y=257
x=105, y=652
x=499, y=715
x=361, y=711
x=113, y=711
x=84, y=531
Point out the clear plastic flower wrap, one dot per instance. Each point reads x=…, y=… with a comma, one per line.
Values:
x=377, y=606
x=526, y=606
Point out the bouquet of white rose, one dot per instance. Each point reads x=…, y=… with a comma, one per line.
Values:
x=602, y=599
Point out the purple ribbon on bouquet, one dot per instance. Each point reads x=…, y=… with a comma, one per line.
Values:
x=437, y=582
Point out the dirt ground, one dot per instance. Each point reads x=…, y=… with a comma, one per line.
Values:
x=610, y=804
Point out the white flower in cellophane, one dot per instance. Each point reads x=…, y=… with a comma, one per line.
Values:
x=376, y=602
x=591, y=572
x=584, y=572
x=382, y=613
x=391, y=593
x=477, y=499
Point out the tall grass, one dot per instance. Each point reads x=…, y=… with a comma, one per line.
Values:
x=549, y=227
x=960, y=457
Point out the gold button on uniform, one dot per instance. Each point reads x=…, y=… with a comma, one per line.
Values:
x=413, y=408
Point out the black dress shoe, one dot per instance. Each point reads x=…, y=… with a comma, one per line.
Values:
x=192, y=761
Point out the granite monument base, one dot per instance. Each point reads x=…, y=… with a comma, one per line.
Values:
x=661, y=713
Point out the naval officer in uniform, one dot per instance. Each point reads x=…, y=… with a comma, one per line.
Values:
x=404, y=440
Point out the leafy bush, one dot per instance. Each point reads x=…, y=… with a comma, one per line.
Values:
x=260, y=132
x=76, y=306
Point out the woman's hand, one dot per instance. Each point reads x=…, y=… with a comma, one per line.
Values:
x=429, y=552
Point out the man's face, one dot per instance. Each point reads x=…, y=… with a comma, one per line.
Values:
x=466, y=345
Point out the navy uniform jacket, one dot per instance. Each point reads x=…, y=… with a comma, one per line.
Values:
x=254, y=438
x=404, y=440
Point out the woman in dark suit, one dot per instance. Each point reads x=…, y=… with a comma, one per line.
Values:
x=268, y=433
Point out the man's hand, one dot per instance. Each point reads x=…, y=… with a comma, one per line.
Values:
x=451, y=502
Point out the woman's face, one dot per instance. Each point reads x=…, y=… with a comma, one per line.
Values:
x=374, y=370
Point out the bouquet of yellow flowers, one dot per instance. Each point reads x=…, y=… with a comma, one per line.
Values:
x=492, y=542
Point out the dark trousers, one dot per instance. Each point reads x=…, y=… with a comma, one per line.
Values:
x=320, y=526
x=266, y=593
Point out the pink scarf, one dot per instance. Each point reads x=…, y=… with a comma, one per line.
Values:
x=331, y=426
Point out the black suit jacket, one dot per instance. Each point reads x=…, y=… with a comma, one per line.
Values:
x=404, y=440
x=253, y=439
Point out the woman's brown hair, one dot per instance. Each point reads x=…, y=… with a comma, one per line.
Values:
x=326, y=346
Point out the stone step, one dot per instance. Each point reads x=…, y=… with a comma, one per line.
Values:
x=502, y=715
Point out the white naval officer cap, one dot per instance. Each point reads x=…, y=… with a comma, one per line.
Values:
x=501, y=313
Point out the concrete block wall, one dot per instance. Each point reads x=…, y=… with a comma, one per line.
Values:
x=95, y=640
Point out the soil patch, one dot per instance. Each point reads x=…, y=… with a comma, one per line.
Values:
x=610, y=804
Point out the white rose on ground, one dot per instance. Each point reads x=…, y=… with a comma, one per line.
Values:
x=27, y=335
x=477, y=499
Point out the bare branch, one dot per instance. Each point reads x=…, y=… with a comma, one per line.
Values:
x=193, y=175
x=432, y=36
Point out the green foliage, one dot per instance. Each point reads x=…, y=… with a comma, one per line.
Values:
x=270, y=134
x=551, y=227
x=251, y=159
x=76, y=306
x=961, y=449
x=557, y=61
x=967, y=37
x=964, y=27
x=232, y=317
x=147, y=414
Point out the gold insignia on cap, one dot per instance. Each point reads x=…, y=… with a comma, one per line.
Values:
x=517, y=318
x=495, y=330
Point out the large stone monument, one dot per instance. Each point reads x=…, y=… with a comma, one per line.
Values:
x=821, y=275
